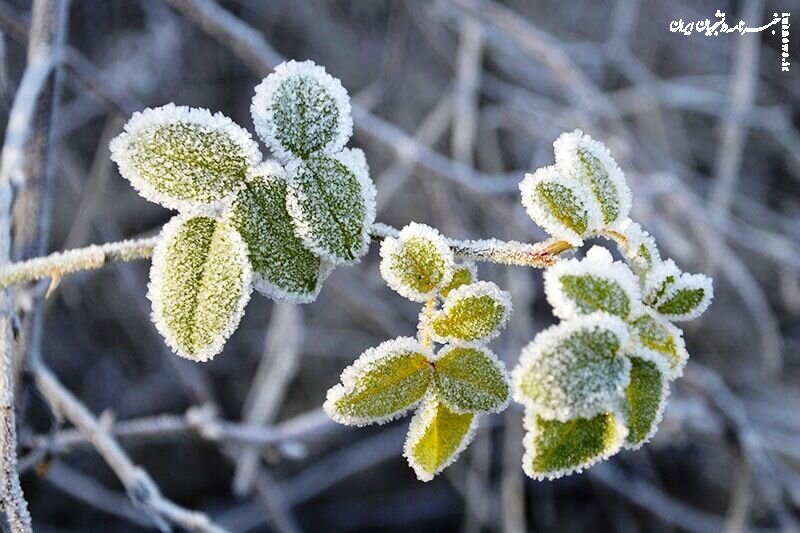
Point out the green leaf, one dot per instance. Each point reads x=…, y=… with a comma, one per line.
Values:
x=474, y=312
x=383, y=383
x=436, y=437
x=416, y=263
x=559, y=206
x=645, y=398
x=182, y=157
x=574, y=369
x=332, y=203
x=663, y=341
x=687, y=298
x=589, y=162
x=554, y=449
x=199, y=284
x=463, y=274
x=472, y=380
x=284, y=269
x=301, y=110
x=595, y=283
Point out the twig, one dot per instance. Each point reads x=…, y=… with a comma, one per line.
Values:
x=140, y=487
x=278, y=367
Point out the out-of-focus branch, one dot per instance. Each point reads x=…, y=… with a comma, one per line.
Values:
x=140, y=487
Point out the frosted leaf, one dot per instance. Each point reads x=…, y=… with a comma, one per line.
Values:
x=565, y=209
x=463, y=274
x=554, y=449
x=382, y=384
x=645, y=400
x=417, y=263
x=581, y=158
x=574, y=369
x=661, y=342
x=332, y=203
x=200, y=282
x=283, y=268
x=471, y=379
x=595, y=283
x=641, y=250
x=687, y=298
x=474, y=312
x=436, y=437
x=300, y=110
x=657, y=280
x=183, y=158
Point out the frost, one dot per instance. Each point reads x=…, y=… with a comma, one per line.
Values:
x=471, y=379
x=417, y=263
x=581, y=158
x=464, y=273
x=332, y=203
x=661, y=342
x=566, y=210
x=640, y=250
x=645, y=400
x=474, y=312
x=200, y=282
x=382, y=384
x=574, y=369
x=657, y=281
x=554, y=449
x=436, y=437
x=283, y=268
x=183, y=158
x=594, y=283
x=300, y=110
x=687, y=298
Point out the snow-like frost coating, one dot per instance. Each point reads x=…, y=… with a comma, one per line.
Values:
x=315, y=82
x=495, y=361
x=364, y=363
x=576, y=383
x=657, y=281
x=420, y=422
x=641, y=250
x=145, y=123
x=300, y=200
x=529, y=444
x=584, y=207
x=599, y=265
x=687, y=282
x=455, y=301
x=575, y=152
x=391, y=247
x=670, y=368
x=662, y=406
x=155, y=290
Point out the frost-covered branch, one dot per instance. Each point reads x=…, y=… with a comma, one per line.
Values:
x=59, y=264
x=90, y=258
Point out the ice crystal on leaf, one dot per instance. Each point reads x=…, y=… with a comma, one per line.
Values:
x=283, y=268
x=332, y=203
x=556, y=448
x=564, y=209
x=474, y=312
x=471, y=379
x=382, y=384
x=300, y=110
x=661, y=342
x=581, y=158
x=640, y=248
x=594, y=284
x=183, y=158
x=645, y=399
x=200, y=282
x=677, y=295
x=417, y=263
x=436, y=437
x=463, y=274
x=574, y=369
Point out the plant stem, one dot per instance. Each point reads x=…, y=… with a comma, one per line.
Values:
x=54, y=266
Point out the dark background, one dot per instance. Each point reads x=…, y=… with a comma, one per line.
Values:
x=706, y=129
